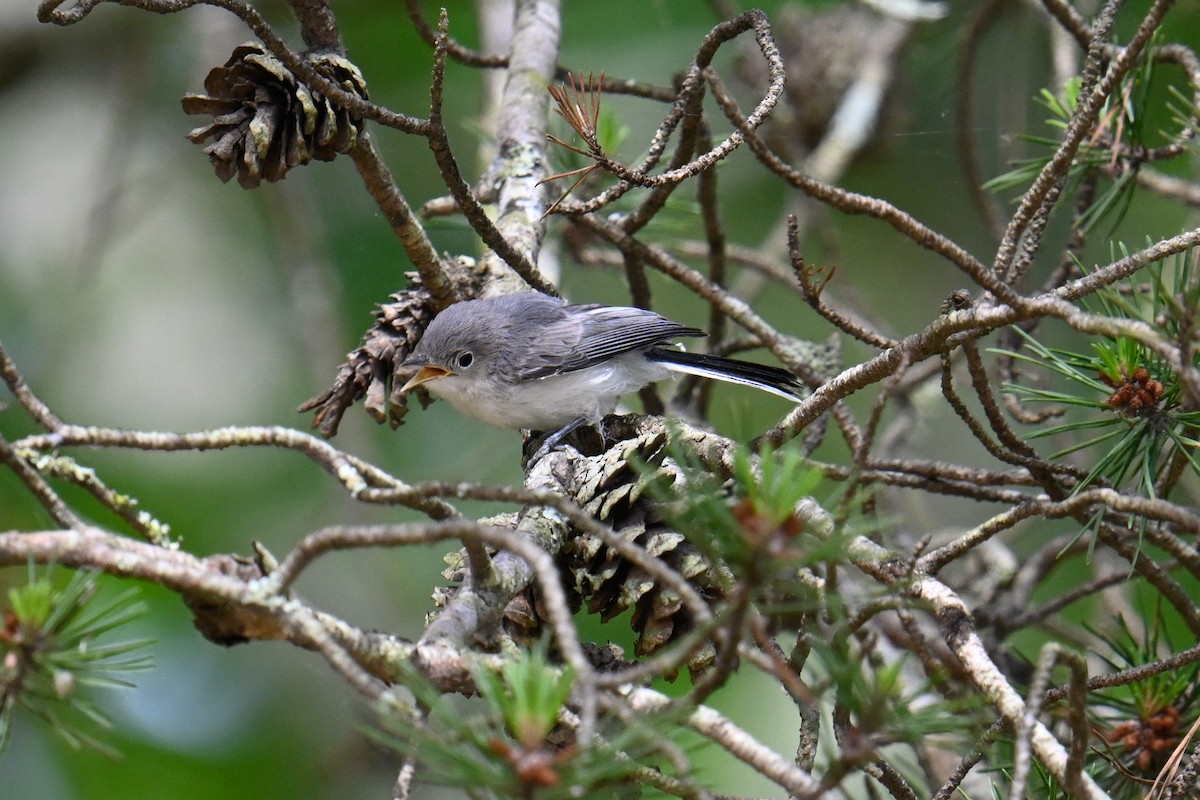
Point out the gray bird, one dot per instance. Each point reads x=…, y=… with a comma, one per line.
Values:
x=532, y=361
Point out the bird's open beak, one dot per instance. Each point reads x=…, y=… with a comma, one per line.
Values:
x=425, y=374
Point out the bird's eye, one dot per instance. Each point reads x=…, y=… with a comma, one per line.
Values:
x=464, y=359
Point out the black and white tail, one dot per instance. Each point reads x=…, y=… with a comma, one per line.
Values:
x=769, y=379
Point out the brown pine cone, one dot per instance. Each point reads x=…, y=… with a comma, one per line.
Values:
x=267, y=121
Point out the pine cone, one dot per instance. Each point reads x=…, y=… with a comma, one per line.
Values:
x=609, y=584
x=370, y=370
x=267, y=121
x=611, y=490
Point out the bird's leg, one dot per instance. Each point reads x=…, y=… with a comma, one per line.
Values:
x=553, y=439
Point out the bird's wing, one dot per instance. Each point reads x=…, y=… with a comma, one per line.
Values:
x=586, y=335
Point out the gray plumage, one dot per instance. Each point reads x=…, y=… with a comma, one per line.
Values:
x=532, y=361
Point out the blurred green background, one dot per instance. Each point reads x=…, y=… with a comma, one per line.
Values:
x=138, y=291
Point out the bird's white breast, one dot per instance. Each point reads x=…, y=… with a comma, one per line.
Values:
x=547, y=404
